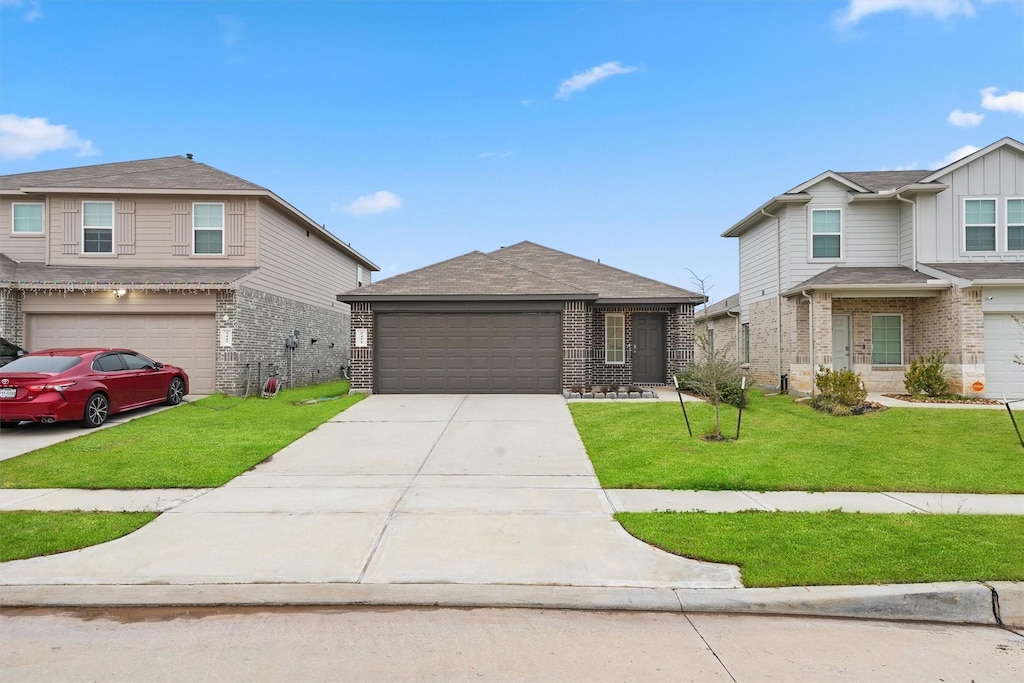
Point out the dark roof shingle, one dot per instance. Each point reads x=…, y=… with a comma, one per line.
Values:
x=166, y=173
x=982, y=271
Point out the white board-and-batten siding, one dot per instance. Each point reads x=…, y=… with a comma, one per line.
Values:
x=296, y=263
x=998, y=175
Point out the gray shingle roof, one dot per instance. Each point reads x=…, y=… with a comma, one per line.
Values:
x=40, y=276
x=521, y=270
x=839, y=276
x=881, y=181
x=166, y=173
x=730, y=304
x=982, y=271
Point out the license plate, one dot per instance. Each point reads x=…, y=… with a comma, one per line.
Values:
x=9, y=392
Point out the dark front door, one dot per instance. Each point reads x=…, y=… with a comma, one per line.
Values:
x=648, y=348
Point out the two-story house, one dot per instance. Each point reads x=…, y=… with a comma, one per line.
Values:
x=180, y=261
x=871, y=270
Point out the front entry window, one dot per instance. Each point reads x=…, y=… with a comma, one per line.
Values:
x=614, y=338
x=886, y=340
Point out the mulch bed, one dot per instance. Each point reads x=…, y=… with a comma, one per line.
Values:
x=978, y=400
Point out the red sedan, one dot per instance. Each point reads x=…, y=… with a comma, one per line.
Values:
x=85, y=385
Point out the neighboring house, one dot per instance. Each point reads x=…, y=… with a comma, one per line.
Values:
x=522, y=319
x=871, y=270
x=179, y=260
x=723, y=333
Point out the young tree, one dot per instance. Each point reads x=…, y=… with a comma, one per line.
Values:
x=713, y=371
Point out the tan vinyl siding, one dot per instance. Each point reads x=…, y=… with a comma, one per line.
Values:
x=153, y=231
x=295, y=263
x=24, y=248
x=998, y=175
x=758, y=262
x=906, y=229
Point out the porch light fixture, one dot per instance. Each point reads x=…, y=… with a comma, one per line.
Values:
x=120, y=292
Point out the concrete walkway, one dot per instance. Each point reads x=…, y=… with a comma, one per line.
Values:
x=397, y=490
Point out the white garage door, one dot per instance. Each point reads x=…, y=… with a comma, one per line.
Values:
x=1004, y=338
x=184, y=340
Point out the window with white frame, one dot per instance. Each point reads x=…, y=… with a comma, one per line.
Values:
x=826, y=233
x=614, y=338
x=746, y=343
x=98, y=227
x=27, y=218
x=886, y=340
x=980, y=224
x=207, y=228
x=1015, y=224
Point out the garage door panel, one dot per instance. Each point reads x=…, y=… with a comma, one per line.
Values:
x=1004, y=339
x=179, y=339
x=468, y=353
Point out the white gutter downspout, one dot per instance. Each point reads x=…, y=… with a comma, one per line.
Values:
x=810, y=322
x=778, y=291
x=736, y=329
x=913, y=229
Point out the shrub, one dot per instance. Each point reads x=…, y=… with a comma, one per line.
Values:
x=927, y=376
x=729, y=389
x=842, y=387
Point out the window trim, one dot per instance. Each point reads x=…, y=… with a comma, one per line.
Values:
x=902, y=340
x=223, y=218
x=965, y=225
x=113, y=220
x=811, y=234
x=42, y=227
x=608, y=318
x=1007, y=225
x=745, y=340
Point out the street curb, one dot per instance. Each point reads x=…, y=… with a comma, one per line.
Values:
x=997, y=603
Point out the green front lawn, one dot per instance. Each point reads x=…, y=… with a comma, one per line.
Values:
x=196, y=445
x=30, y=534
x=785, y=445
x=841, y=548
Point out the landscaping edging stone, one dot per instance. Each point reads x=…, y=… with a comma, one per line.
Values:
x=610, y=394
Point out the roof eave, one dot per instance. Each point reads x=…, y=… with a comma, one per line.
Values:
x=915, y=188
x=135, y=190
x=649, y=301
x=932, y=285
x=355, y=297
x=756, y=215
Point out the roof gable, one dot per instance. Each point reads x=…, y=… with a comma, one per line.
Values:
x=522, y=270
x=946, y=170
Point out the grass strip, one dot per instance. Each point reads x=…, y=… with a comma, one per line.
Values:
x=195, y=445
x=786, y=445
x=26, y=534
x=836, y=548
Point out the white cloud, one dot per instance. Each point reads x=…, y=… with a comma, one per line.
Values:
x=584, y=80
x=955, y=155
x=24, y=138
x=966, y=119
x=371, y=204
x=232, y=31
x=32, y=9
x=940, y=9
x=1013, y=100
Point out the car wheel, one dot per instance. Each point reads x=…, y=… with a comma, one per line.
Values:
x=96, y=410
x=175, y=392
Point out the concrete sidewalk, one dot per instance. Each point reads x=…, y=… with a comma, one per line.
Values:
x=621, y=500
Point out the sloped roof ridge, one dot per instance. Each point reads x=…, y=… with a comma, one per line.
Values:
x=588, y=262
x=137, y=168
x=390, y=280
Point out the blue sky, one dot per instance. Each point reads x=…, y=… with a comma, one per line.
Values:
x=633, y=132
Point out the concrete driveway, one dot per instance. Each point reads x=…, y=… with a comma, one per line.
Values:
x=400, y=490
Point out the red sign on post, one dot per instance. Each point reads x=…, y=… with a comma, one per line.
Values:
x=978, y=386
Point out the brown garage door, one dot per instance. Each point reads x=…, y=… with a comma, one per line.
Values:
x=178, y=339
x=472, y=353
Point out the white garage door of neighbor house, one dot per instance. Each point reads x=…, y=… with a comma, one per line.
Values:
x=1004, y=338
x=187, y=341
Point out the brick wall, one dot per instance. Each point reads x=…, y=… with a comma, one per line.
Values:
x=11, y=320
x=764, y=343
x=679, y=342
x=362, y=357
x=577, y=340
x=260, y=322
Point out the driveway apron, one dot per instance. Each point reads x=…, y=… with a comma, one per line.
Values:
x=399, y=489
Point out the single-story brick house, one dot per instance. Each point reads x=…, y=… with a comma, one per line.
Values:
x=521, y=319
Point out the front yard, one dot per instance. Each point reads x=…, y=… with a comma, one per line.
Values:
x=785, y=445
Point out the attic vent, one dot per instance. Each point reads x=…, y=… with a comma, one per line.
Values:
x=189, y=156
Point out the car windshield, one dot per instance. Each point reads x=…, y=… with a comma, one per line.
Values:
x=52, y=364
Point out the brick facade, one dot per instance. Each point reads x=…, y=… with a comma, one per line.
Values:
x=12, y=322
x=583, y=347
x=952, y=322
